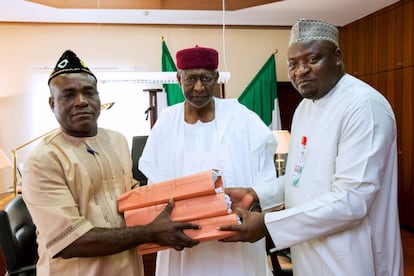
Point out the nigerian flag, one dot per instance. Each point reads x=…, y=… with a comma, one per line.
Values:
x=260, y=95
x=174, y=94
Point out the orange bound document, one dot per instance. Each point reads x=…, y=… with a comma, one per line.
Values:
x=194, y=185
x=184, y=210
x=207, y=232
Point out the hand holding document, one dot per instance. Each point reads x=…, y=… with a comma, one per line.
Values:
x=243, y=198
x=252, y=229
x=171, y=233
x=199, y=199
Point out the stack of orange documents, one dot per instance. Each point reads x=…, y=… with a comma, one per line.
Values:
x=199, y=198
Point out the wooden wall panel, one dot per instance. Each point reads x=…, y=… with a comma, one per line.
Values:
x=406, y=149
x=379, y=49
x=408, y=34
x=288, y=99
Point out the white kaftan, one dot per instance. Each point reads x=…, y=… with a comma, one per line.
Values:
x=342, y=216
x=238, y=144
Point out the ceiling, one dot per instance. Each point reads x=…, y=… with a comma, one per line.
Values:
x=189, y=12
x=231, y=5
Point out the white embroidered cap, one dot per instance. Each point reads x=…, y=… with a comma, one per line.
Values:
x=304, y=30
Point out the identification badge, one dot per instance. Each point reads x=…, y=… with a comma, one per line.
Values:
x=297, y=170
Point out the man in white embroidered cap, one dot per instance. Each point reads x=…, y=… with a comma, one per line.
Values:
x=341, y=215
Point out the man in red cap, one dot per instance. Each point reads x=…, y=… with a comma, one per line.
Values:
x=206, y=133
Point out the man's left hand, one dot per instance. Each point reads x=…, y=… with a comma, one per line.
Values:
x=241, y=197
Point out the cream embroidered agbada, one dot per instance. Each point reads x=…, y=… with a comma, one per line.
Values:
x=70, y=185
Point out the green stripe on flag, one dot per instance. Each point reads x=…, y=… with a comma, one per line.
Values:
x=259, y=96
x=174, y=93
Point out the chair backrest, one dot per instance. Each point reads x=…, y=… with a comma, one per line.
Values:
x=18, y=238
x=138, y=144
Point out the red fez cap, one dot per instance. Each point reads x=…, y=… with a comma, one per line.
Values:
x=197, y=57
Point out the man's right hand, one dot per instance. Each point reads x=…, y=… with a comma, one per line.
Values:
x=251, y=229
x=164, y=231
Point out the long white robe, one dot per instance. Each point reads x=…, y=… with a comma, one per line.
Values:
x=342, y=217
x=242, y=149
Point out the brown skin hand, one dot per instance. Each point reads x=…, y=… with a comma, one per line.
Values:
x=251, y=230
x=106, y=241
x=241, y=197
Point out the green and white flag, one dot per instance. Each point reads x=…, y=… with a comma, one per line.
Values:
x=173, y=91
x=260, y=95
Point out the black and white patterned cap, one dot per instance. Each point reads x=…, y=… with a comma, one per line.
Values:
x=305, y=30
x=69, y=62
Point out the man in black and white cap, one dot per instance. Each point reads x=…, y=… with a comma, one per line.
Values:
x=71, y=182
x=340, y=185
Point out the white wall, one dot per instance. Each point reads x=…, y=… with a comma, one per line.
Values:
x=27, y=49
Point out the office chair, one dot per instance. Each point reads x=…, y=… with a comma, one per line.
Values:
x=138, y=144
x=18, y=238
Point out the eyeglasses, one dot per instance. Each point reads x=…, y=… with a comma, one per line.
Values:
x=193, y=79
